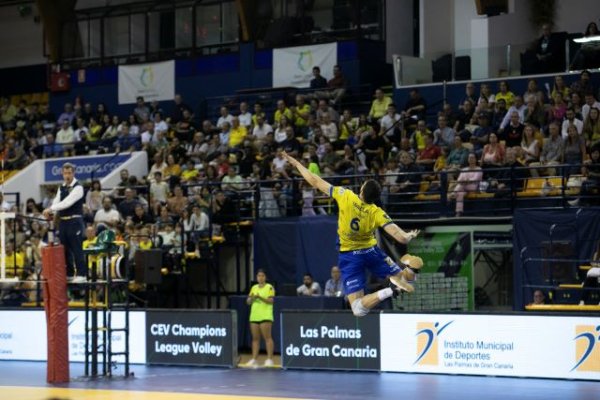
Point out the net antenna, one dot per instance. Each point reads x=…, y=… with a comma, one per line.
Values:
x=3, y=217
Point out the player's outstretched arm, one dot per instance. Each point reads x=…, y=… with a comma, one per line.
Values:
x=399, y=235
x=312, y=179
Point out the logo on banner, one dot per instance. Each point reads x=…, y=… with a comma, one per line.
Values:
x=427, y=342
x=587, y=348
x=305, y=60
x=147, y=76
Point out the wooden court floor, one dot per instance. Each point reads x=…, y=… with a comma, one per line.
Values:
x=27, y=381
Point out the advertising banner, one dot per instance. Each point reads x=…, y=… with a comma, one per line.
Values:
x=202, y=337
x=23, y=335
x=330, y=340
x=450, y=253
x=154, y=81
x=292, y=66
x=85, y=167
x=500, y=345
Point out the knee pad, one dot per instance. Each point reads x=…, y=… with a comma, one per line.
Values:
x=594, y=273
x=358, y=309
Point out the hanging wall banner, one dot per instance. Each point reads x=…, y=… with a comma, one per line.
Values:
x=292, y=66
x=154, y=81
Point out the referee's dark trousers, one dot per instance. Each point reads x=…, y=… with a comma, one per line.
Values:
x=70, y=233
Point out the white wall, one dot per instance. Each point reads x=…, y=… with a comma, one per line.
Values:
x=399, y=28
x=21, y=39
x=436, y=24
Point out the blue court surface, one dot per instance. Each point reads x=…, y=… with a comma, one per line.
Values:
x=26, y=380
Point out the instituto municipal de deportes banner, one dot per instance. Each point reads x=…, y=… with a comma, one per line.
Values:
x=500, y=345
x=153, y=81
x=292, y=66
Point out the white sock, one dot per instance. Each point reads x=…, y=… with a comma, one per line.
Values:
x=384, y=293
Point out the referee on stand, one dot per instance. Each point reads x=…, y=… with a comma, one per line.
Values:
x=68, y=203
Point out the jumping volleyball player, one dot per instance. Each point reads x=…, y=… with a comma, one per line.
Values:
x=357, y=221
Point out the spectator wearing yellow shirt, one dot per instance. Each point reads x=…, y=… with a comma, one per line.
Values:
x=379, y=105
x=282, y=109
x=145, y=243
x=237, y=133
x=258, y=111
x=190, y=172
x=301, y=113
x=505, y=94
x=90, y=241
x=14, y=259
x=172, y=170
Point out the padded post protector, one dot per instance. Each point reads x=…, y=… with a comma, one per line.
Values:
x=56, y=304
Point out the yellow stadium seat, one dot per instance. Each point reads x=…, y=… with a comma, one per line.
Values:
x=45, y=98
x=14, y=99
x=534, y=186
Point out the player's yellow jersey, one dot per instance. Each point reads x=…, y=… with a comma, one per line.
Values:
x=357, y=220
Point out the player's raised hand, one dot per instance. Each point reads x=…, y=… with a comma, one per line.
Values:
x=413, y=234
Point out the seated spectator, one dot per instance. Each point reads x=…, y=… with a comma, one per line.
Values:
x=52, y=149
x=232, y=183
x=417, y=139
x=329, y=128
x=463, y=118
x=519, y=107
x=576, y=103
x=158, y=166
x=535, y=114
x=588, y=56
x=347, y=164
x=65, y=137
x=347, y=126
x=14, y=155
x=469, y=95
x=225, y=117
x=324, y=109
x=140, y=216
x=532, y=92
x=334, y=287
x=159, y=189
x=107, y=215
x=408, y=180
x=530, y=145
x=198, y=221
x=590, y=102
x=177, y=202
x=127, y=205
x=444, y=135
x=458, y=156
x=428, y=156
x=511, y=179
x=559, y=87
x=480, y=135
x=190, y=173
x=558, y=108
x=172, y=171
x=94, y=197
x=300, y=114
x=125, y=141
x=468, y=181
x=583, y=85
x=539, y=297
x=575, y=152
x=505, y=94
x=260, y=131
x=415, y=107
x=223, y=209
x=498, y=114
x=309, y=287
x=371, y=145
x=551, y=154
x=379, y=106
x=391, y=125
x=317, y=82
x=513, y=133
x=591, y=127
x=291, y=145
x=282, y=111
x=570, y=119
x=591, y=186
x=485, y=94
x=493, y=154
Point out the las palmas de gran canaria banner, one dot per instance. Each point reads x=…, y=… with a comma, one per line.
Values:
x=292, y=66
x=155, y=81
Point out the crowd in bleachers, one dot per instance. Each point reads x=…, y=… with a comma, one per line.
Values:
x=208, y=172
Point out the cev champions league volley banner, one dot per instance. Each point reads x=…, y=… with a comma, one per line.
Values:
x=292, y=66
x=154, y=81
